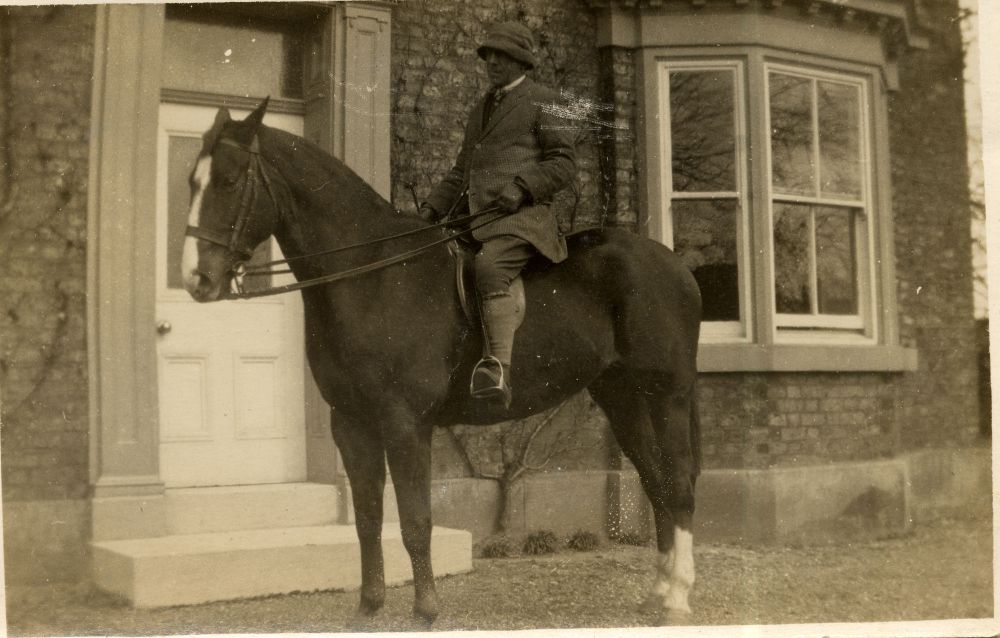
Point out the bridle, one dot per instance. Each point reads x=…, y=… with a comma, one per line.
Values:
x=236, y=242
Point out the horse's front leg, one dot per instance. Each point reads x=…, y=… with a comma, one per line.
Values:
x=361, y=448
x=408, y=450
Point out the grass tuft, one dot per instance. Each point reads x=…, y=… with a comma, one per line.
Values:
x=583, y=541
x=540, y=542
x=497, y=547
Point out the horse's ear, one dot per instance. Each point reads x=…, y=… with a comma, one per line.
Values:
x=221, y=117
x=211, y=135
x=254, y=119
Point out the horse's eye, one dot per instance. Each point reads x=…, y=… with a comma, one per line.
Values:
x=229, y=181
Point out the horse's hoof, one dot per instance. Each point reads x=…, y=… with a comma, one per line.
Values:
x=674, y=618
x=426, y=611
x=361, y=622
x=652, y=605
x=369, y=606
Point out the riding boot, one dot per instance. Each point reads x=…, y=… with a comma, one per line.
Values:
x=501, y=316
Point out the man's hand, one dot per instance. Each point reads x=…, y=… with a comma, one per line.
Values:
x=427, y=212
x=511, y=198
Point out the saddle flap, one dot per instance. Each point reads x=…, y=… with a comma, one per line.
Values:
x=465, y=282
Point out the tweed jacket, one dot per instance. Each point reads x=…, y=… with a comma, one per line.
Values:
x=525, y=140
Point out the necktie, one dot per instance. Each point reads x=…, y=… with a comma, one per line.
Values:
x=491, y=104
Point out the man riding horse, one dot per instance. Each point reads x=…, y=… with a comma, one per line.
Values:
x=517, y=153
x=619, y=317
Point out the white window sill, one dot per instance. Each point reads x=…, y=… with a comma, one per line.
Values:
x=717, y=357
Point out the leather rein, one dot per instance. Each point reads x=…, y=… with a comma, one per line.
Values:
x=235, y=241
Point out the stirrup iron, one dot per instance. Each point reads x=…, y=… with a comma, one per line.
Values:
x=498, y=388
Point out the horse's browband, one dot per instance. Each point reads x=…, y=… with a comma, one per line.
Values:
x=253, y=147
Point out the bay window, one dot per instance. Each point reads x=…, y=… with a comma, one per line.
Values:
x=762, y=134
x=764, y=177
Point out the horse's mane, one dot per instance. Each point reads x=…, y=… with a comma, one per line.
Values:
x=311, y=167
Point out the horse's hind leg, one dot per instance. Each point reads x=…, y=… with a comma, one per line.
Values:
x=672, y=409
x=364, y=460
x=633, y=404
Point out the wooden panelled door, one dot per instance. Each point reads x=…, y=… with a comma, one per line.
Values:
x=230, y=373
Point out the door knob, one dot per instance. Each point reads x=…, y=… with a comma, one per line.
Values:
x=164, y=327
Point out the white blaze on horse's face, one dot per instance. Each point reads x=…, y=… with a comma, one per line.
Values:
x=189, y=261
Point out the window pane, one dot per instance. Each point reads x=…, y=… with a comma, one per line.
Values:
x=836, y=264
x=839, y=140
x=791, y=258
x=792, y=134
x=702, y=131
x=181, y=155
x=835, y=259
x=236, y=54
x=705, y=238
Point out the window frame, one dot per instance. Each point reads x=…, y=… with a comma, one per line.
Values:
x=713, y=331
x=766, y=346
x=865, y=321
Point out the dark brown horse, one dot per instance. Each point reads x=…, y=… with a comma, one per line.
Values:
x=392, y=351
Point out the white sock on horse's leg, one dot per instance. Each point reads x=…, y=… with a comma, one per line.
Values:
x=681, y=573
x=664, y=566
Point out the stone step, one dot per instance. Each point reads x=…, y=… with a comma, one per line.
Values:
x=200, y=510
x=197, y=568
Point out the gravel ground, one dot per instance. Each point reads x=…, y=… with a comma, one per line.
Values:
x=942, y=570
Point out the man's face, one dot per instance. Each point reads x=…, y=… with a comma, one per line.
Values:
x=501, y=68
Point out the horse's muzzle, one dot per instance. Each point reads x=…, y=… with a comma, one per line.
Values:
x=203, y=288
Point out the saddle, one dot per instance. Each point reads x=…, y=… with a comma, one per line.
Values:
x=464, y=250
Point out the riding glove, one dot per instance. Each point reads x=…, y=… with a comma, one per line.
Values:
x=511, y=198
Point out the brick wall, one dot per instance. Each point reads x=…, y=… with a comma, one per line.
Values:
x=618, y=143
x=937, y=405
x=763, y=420
x=44, y=131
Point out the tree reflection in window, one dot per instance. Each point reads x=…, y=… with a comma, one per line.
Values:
x=814, y=251
x=792, y=153
x=836, y=276
x=702, y=135
x=704, y=181
x=839, y=140
x=815, y=158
